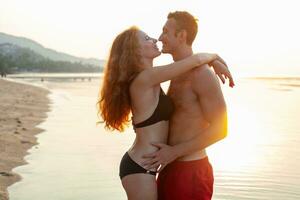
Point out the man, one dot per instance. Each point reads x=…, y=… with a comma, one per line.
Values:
x=199, y=120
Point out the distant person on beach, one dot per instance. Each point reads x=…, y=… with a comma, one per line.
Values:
x=3, y=74
x=198, y=121
x=131, y=85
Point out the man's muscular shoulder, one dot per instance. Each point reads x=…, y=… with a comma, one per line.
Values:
x=204, y=79
x=203, y=74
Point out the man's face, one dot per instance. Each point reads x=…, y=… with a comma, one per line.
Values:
x=168, y=37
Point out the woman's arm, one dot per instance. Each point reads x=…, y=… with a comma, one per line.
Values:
x=159, y=74
x=222, y=71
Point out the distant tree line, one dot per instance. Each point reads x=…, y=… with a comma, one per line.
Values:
x=17, y=60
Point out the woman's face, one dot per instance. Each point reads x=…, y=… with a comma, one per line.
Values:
x=148, y=47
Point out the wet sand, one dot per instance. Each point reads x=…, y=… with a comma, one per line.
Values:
x=22, y=108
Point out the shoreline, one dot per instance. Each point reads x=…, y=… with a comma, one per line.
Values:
x=22, y=108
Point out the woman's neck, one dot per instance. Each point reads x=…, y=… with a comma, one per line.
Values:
x=147, y=63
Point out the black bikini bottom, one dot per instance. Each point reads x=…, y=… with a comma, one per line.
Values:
x=129, y=166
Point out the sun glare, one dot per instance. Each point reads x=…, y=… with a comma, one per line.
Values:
x=238, y=149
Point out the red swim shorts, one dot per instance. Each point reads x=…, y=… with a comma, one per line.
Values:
x=186, y=180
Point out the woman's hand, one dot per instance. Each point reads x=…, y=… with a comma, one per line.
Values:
x=222, y=70
x=219, y=65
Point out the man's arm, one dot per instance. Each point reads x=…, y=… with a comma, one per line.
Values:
x=207, y=88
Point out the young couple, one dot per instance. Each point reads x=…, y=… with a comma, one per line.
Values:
x=173, y=130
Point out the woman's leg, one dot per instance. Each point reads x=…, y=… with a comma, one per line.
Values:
x=140, y=186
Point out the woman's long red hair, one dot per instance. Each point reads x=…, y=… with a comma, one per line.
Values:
x=122, y=66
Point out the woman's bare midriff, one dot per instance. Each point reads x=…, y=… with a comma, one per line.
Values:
x=157, y=132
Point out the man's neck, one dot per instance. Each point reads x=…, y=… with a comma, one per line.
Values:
x=182, y=52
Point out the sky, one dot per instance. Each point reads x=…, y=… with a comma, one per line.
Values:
x=257, y=37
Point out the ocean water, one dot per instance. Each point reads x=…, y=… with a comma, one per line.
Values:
x=75, y=159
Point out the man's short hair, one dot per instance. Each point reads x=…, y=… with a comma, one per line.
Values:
x=185, y=21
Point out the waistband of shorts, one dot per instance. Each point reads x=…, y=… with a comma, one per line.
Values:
x=190, y=163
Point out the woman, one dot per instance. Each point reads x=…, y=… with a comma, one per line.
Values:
x=132, y=85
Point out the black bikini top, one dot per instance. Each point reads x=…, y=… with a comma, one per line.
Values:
x=163, y=111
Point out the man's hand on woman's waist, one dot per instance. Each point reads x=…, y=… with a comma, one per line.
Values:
x=159, y=159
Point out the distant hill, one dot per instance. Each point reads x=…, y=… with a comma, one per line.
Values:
x=16, y=59
x=47, y=53
x=15, y=53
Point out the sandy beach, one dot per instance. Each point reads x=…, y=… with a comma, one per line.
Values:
x=22, y=108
